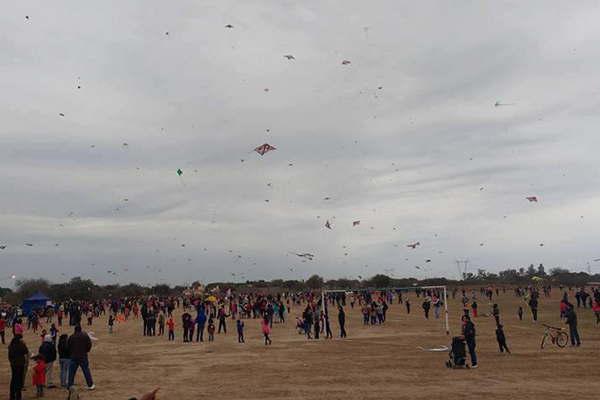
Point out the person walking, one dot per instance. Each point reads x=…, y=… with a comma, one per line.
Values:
x=18, y=353
x=79, y=345
x=501, y=338
x=266, y=330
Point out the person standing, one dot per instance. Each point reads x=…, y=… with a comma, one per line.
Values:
x=2, y=329
x=266, y=330
x=469, y=334
x=501, y=338
x=571, y=320
x=342, y=321
x=48, y=351
x=63, y=359
x=407, y=304
x=18, y=353
x=240, y=330
x=161, y=324
x=171, y=328
x=533, y=304
x=79, y=345
x=201, y=321
x=426, y=307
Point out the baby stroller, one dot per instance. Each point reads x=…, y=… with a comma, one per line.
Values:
x=458, y=353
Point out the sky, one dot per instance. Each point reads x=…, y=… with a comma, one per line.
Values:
x=447, y=116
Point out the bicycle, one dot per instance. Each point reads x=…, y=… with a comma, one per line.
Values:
x=557, y=335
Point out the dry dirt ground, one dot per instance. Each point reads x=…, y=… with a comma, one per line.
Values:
x=380, y=362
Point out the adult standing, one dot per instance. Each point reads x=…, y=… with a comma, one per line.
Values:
x=79, y=345
x=201, y=321
x=469, y=334
x=18, y=353
x=48, y=350
x=533, y=304
x=571, y=320
x=342, y=321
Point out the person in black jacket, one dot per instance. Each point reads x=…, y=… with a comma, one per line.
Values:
x=48, y=350
x=501, y=338
x=17, y=355
x=79, y=346
x=64, y=359
x=571, y=320
x=469, y=334
x=342, y=321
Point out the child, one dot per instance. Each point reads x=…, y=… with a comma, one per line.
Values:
x=520, y=313
x=474, y=308
x=501, y=338
x=240, y=330
x=90, y=317
x=39, y=375
x=266, y=330
x=496, y=313
x=171, y=327
x=211, y=330
x=111, y=322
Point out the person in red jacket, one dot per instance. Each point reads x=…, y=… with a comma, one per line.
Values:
x=266, y=330
x=39, y=375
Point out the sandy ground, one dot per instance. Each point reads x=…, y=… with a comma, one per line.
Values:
x=372, y=363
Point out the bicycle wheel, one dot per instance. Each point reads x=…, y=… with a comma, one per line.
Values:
x=543, y=341
x=562, y=339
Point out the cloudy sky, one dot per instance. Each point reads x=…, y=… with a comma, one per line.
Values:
x=102, y=102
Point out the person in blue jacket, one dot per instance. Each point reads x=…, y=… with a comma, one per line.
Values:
x=201, y=321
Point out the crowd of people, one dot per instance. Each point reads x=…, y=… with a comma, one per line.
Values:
x=211, y=314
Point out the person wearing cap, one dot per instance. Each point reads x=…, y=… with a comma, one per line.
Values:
x=48, y=350
x=18, y=355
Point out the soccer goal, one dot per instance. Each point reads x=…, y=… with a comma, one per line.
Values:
x=441, y=290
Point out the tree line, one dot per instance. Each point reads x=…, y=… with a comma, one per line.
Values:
x=85, y=289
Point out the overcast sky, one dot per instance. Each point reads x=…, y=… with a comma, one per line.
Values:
x=406, y=138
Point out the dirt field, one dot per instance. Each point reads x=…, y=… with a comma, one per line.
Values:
x=372, y=363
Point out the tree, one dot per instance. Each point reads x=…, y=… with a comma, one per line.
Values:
x=314, y=282
x=558, y=271
x=27, y=287
x=541, y=271
x=380, y=281
x=161, y=290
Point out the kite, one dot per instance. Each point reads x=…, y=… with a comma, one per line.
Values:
x=307, y=256
x=327, y=198
x=179, y=172
x=355, y=223
x=327, y=225
x=167, y=33
x=345, y=62
x=290, y=57
x=413, y=245
x=27, y=17
x=265, y=148
x=61, y=114
x=532, y=199
x=266, y=89
x=2, y=247
x=229, y=26
x=481, y=244
x=428, y=260
x=541, y=244
x=29, y=244
x=499, y=104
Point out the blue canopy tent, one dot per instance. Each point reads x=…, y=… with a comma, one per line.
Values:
x=38, y=300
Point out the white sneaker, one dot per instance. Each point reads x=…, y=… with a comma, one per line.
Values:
x=93, y=387
x=473, y=366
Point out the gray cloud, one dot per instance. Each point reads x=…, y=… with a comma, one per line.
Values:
x=408, y=160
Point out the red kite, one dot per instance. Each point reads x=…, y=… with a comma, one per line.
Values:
x=265, y=148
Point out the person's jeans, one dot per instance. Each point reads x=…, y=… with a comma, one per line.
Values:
x=16, y=382
x=50, y=374
x=200, y=333
x=85, y=367
x=574, y=335
x=471, y=346
x=222, y=326
x=64, y=371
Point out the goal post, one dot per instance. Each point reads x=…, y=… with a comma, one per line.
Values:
x=442, y=288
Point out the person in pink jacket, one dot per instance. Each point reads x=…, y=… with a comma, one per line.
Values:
x=596, y=309
x=266, y=330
